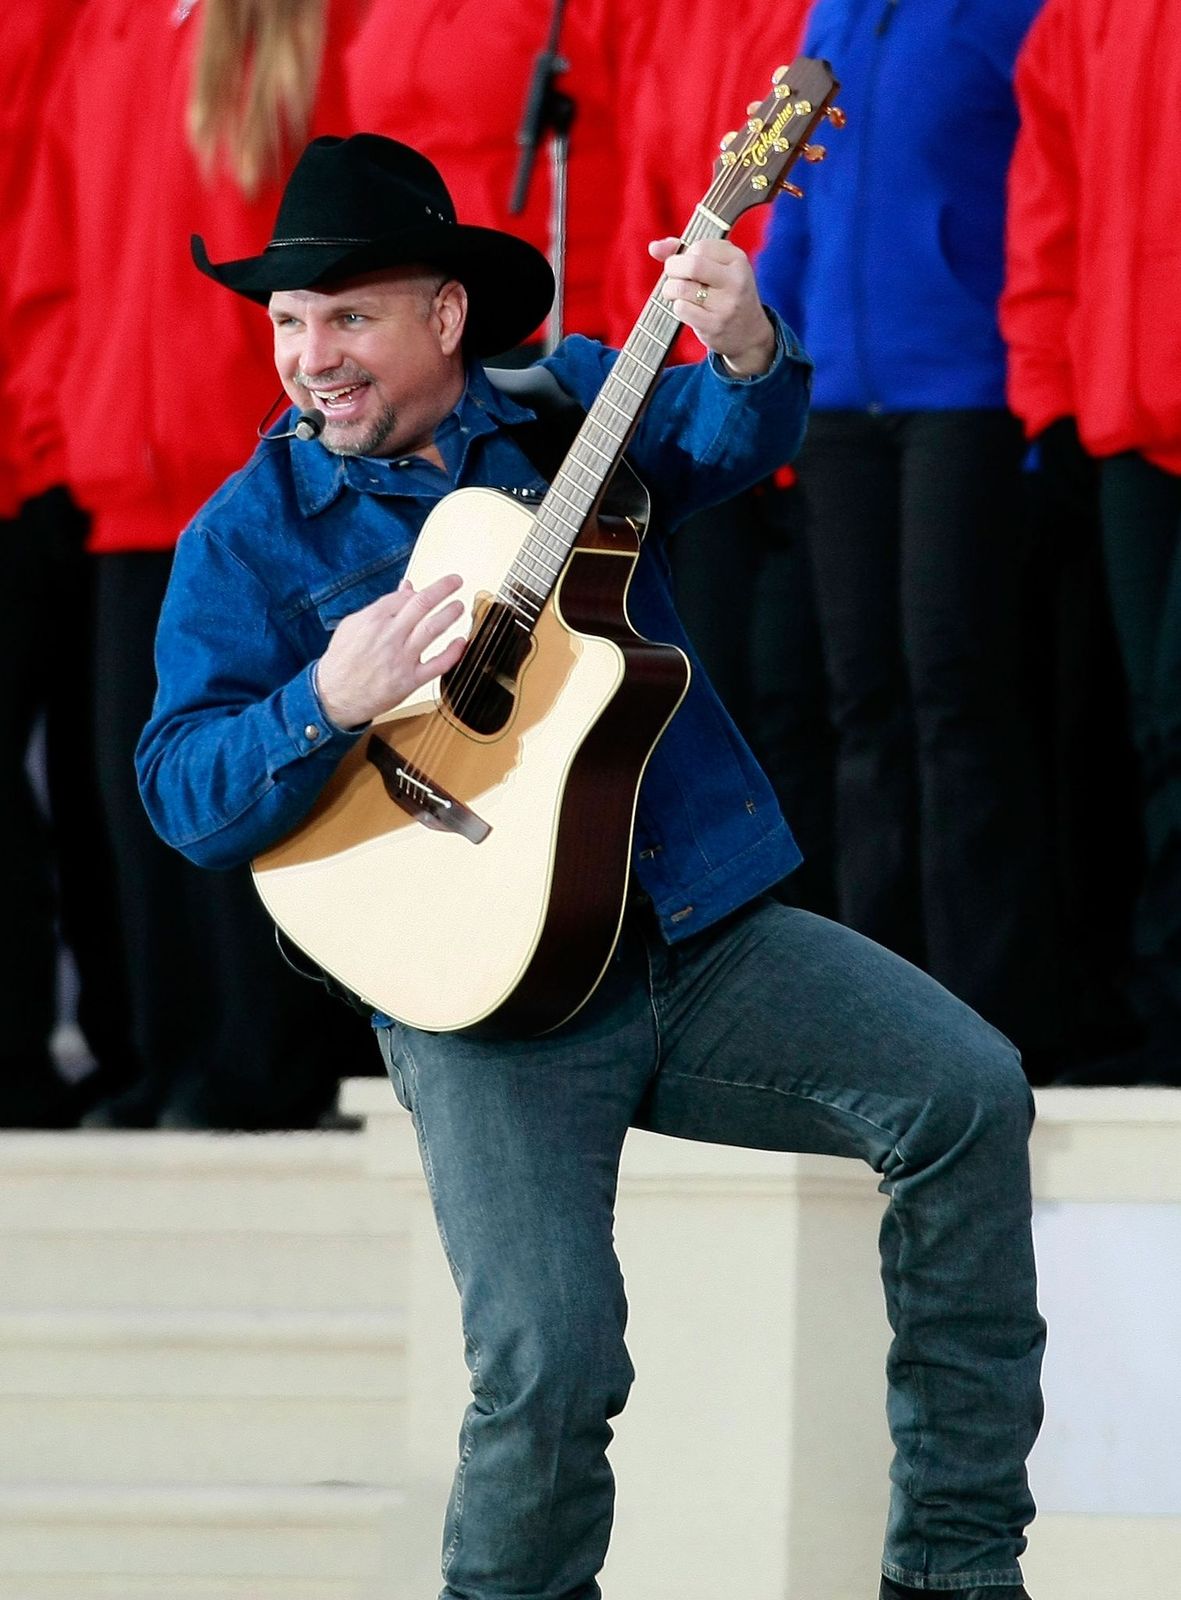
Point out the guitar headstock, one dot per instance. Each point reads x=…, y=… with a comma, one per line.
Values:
x=755, y=160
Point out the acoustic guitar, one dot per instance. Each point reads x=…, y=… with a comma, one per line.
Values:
x=468, y=864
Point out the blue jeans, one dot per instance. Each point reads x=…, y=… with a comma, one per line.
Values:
x=776, y=1030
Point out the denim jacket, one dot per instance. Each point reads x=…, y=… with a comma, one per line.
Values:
x=239, y=747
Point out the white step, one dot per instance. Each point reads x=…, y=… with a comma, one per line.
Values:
x=171, y=1397
x=267, y=1222
x=314, y=1542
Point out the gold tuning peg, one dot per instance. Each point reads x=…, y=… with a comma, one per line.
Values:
x=728, y=139
x=813, y=152
x=752, y=108
x=779, y=74
x=836, y=116
x=792, y=189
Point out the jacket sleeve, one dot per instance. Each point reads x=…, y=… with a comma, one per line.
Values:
x=704, y=436
x=1041, y=248
x=229, y=763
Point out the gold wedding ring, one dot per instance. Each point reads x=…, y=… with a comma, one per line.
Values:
x=702, y=295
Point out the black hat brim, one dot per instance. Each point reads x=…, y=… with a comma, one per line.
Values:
x=509, y=283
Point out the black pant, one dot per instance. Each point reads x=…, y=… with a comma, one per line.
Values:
x=58, y=876
x=1096, y=837
x=744, y=593
x=1141, y=509
x=916, y=544
x=230, y=1035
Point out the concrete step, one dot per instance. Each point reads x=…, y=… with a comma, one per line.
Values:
x=294, y=1542
x=166, y=1397
x=169, y=1221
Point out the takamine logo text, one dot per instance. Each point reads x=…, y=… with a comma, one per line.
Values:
x=769, y=138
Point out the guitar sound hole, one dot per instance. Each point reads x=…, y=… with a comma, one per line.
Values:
x=481, y=691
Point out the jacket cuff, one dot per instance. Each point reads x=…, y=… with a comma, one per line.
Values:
x=787, y=348
x=306, y=725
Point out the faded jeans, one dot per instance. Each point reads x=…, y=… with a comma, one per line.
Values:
x=776, y=1030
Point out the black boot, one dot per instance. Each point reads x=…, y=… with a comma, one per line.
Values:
x=899, y=1591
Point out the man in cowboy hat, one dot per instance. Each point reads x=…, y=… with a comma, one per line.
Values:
x=723, y=1014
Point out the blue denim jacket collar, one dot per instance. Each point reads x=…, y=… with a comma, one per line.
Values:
x=320, y=476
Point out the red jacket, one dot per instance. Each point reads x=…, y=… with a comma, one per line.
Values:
x=145, y=380
x=1092, y=304
x=451, y=81
x=687, y=71
x=33, y=40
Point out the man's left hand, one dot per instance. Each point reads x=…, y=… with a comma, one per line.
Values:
x=711, y=287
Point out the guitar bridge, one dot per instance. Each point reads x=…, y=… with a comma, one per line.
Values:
x=421, y=798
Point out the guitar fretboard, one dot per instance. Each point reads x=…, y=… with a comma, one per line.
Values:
x=600, y=443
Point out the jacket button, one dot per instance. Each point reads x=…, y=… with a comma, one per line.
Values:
x=311, y=733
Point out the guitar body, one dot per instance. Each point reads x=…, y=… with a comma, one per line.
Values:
x=469, y=869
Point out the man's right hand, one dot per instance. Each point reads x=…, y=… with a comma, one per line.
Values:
x=376, y=656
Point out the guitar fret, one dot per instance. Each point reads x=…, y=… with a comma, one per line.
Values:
x=585, y=467
x=606, y=400
x=542, y=567
x=554, y=549
x=571, y=528
x=522, y=595
x=544, y=557
x=557, y=525
x=656, y=338
x=628, y=354
x=573, y=504
x=522, y=582
x=606, y=455
x=521, y=614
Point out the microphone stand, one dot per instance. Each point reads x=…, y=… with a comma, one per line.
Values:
x=548, y=110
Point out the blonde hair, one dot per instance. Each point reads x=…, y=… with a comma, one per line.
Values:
x=254, y=84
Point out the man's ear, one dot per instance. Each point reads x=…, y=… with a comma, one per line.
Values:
x=451, y=310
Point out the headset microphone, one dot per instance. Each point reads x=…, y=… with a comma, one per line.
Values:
x=309, y=424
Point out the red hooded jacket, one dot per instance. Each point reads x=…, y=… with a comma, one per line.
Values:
x=451, y=81
x=144, y=380
x=687, y=71
x=1092, y=304
x=34, y=38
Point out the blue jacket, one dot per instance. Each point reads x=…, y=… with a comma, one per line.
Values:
x=891, y=267
x=239, y=747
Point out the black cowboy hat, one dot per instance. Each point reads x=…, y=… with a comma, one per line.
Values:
x=360, y=204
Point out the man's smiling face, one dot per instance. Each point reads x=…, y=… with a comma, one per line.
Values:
x=379, y=355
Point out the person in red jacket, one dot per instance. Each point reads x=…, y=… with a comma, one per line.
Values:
x=58, y=874
x=685, y=72
x=452, y=81
x=144, y=386
x=1092, y=315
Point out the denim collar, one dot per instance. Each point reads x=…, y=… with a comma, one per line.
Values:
x=320, y=477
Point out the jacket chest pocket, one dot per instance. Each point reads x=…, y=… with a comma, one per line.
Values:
x=339, y=599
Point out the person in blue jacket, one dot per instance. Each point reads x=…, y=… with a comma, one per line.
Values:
x=723, y=1015
x=911, y=480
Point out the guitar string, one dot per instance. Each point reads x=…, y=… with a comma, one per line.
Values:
x=496, y=630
